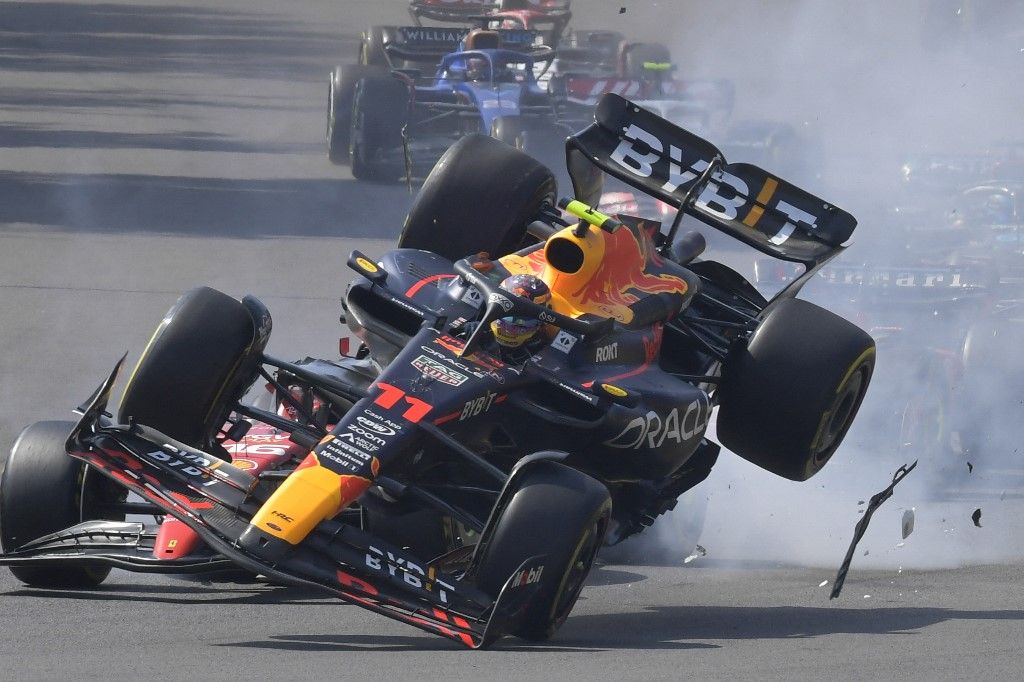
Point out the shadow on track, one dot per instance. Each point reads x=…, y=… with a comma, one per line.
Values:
x=194, y=141
x=64, y=36
x=664, y=626
x=220, y=207
x=185, y=595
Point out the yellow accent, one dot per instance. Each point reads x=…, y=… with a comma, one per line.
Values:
x=614, y=390
x=767, y=190
x=366, y=265
x=658, y=66
x=755, y=214
x=856, y=363
x=172, y=544
x=145, y=352
x=584, y=212
x=307, y=497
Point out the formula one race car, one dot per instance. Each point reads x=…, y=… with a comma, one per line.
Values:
x=505, y=414
x=399, y=123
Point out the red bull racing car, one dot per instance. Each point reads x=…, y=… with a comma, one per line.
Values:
x=525, y=390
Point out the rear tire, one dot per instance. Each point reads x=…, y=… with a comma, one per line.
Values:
x=788, y=399
x=200, y=361
x=44, y=490
x=380, y=110
x=480, y=196
x=556, y=511
x=341, y=90
x=371, y=48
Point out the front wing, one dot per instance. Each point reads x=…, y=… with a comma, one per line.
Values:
x=216, y=500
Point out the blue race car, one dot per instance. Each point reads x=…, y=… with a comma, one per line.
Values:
x=402, y=123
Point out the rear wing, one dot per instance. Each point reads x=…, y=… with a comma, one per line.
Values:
x=431, y=43
x=691, y=174
x=453, y=11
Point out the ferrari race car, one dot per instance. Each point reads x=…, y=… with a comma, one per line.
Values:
x=525, y=390
x=392, y=123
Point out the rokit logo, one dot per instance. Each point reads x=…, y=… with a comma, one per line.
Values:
x=651, y=431
x=723, y=197
x=606, y=353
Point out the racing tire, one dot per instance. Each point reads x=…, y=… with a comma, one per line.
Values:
x=340, y=92
x=988, y=407
x=44, y=490
x=787, y=400
x=556, y=511
x=380, y=110
x=479, y=197
x=199, y=362
x=371, y=48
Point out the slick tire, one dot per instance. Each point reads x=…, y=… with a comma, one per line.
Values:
x=556, y=511
x=371, y=47
x=787, y=400
x=380, y=110
x=988, y=405
x=480, y=196
x=340, y=92
x=199, y=362
x=44, y=490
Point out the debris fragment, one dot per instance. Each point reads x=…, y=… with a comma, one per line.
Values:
x=697, y=553
x=823, y=583
x=860, y=502
x=862, y=526
x=900, y=544
x=867, y=596
x=867, y=551
x=976, y=517
x=908, y=522
x=970, y=468
x=622, y=10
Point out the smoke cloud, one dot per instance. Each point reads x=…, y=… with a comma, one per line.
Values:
x=872, y=84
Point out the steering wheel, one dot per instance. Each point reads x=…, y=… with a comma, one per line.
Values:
x=500, y=303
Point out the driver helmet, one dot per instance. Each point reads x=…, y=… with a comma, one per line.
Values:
x=513, y=332
x=476, y=69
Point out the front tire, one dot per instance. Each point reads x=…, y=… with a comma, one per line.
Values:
x=556, y=511
x=340, y=92
x=44, y=490
x=201, y=359
x=480, y=196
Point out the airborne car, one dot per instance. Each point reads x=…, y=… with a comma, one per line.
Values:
x=527, y=457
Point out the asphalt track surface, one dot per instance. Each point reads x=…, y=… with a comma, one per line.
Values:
x=148, y=147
